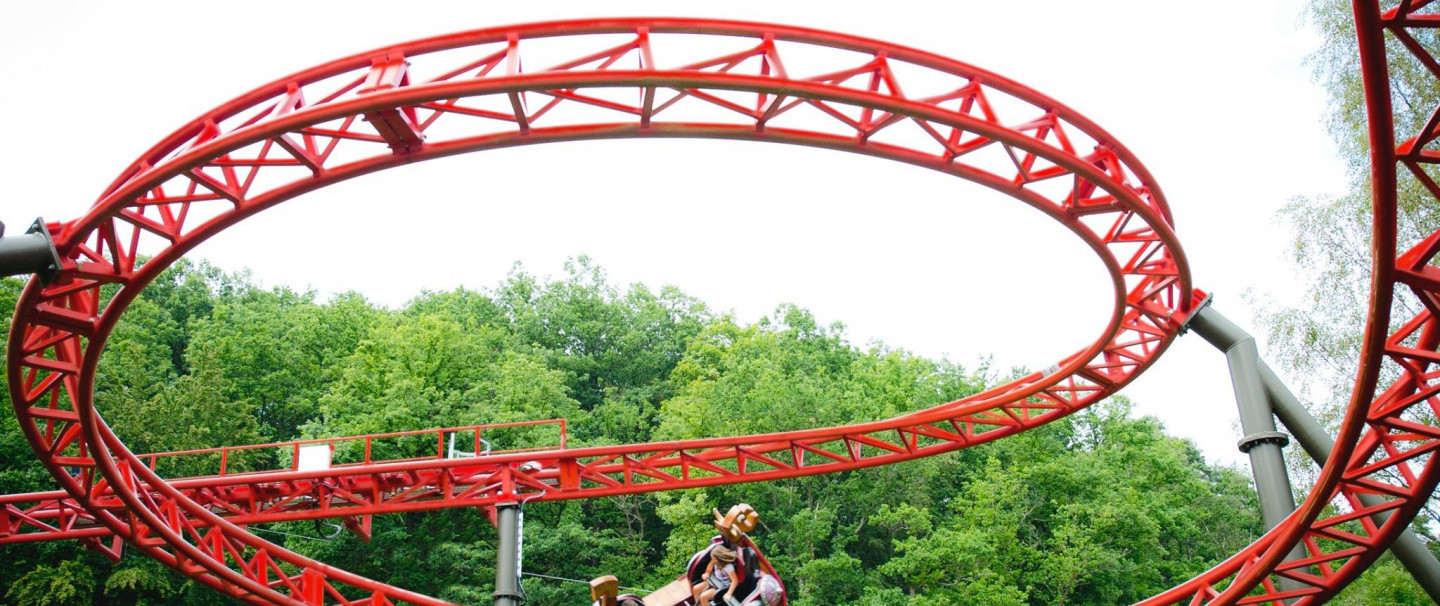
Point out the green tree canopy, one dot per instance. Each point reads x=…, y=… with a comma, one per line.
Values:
x=1093, y=509
x=1319, y=339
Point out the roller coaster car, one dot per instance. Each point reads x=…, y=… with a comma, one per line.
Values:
x=759, y=584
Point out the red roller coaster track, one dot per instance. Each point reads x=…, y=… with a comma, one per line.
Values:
x=640, y=78
x=353, y=487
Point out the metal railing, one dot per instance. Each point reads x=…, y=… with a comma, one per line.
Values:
x=371, y=445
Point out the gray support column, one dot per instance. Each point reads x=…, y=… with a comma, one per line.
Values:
x=507, y=555
x=1408, y=548
x=1262, y=442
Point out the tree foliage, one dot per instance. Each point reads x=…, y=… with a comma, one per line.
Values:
x=1098, y=508
x=1320, y=338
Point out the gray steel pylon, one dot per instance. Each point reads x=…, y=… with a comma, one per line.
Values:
x=1314, y=440
x=507, y=555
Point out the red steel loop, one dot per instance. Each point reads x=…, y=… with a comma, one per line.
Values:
x=597, y=79
x=1386, y=444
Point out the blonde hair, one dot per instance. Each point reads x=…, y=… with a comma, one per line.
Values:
x=722, y=554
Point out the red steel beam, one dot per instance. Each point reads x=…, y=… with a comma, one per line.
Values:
x=1043, y=154
x=248, y=495
x=978, y=126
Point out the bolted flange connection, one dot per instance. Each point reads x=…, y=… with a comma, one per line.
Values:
x=31, y=253
x=1263, y=437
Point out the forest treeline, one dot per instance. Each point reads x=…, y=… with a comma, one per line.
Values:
x=1098, y=508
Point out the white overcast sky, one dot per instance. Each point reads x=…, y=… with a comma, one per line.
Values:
x=1214, y=97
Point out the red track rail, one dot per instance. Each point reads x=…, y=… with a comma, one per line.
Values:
x=247, y=494
x=375, y=110
x=468, y=92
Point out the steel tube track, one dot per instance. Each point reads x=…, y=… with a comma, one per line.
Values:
x=1095, y=189
x=405, y=103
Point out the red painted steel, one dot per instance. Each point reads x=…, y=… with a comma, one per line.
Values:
x=350, y=488
x=1386, y=443
x=467, y=92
